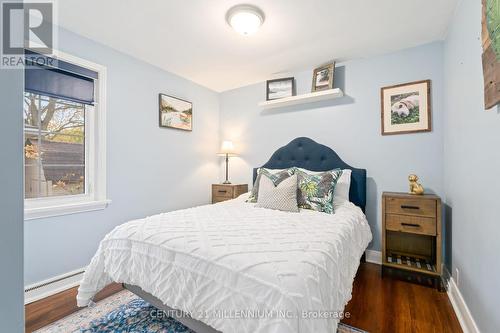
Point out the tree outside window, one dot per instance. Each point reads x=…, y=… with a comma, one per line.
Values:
x=54, y=147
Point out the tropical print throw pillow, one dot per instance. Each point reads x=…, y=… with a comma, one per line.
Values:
x=276, y=176
x=315, y=190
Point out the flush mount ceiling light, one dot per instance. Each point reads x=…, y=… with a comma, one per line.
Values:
x=245, y=19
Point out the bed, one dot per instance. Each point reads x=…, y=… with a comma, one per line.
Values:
x=232, y=267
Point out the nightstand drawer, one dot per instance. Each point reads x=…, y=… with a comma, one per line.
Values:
x=219, y=199
x=411, y=224
x=409, y=206
x=222, y=191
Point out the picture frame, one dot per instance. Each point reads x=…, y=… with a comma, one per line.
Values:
x=490, y=38
x=323, y=77
x=406, y=108
x=175, y=112
x=280, y=88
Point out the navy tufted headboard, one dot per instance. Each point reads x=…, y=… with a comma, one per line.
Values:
x=308, y=154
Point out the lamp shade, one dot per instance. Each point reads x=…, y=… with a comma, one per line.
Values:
x=227, y=147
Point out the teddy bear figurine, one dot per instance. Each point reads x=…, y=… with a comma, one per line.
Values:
x=415, y=187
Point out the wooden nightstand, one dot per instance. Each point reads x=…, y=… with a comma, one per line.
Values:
x=223, y=192
x=411, y=237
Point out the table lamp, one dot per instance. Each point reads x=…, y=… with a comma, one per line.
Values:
x=227, y=150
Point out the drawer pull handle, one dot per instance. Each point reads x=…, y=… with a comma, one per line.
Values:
x=410, y=225
x=222, y=191
x=409, y=207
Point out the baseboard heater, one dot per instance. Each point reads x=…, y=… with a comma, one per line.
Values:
x=52, y=286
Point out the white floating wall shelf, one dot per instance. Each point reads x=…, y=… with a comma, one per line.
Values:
x=303, y=99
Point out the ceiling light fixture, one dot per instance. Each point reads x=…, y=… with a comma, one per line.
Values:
x=245, y=19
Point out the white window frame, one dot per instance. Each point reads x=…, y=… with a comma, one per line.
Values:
x=95, y=196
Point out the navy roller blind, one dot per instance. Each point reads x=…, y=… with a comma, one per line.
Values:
x=56, y=78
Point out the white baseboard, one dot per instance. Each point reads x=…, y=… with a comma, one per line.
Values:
x=461, y=310
x=52, y=286
x=375, y=257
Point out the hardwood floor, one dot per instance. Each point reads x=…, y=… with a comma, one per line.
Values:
x=377, y=306
x=50, y=309
x=388, y=305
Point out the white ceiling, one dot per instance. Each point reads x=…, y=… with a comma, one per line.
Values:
x=191, y=38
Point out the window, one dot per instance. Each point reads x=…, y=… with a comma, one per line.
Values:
x=54, y=148
x=64, y=123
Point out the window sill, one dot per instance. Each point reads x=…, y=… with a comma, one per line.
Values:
x=64, y=209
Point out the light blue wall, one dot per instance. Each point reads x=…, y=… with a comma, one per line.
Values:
x=472, y=164
x=11, y=203
x=149, y=169
x=350, y=125
x=152, y=170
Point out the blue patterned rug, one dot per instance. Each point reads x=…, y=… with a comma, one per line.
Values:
x=136, y=317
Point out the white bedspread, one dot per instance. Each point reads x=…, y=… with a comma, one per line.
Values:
x=239, y=268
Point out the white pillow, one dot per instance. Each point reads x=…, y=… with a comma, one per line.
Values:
x=341, y=191
x=281, y=197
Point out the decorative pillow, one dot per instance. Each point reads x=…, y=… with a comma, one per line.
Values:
x=315, y=190
x=276, y=175
x=281, y=197
x=341, y=192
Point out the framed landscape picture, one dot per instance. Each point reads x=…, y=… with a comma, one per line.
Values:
x=406, y=108
x=175, y=113
x=279, y=88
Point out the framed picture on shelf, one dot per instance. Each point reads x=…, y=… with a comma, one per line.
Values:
x=280, y=88
x=323, y=77
x=175, y=113
x=406, y=108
